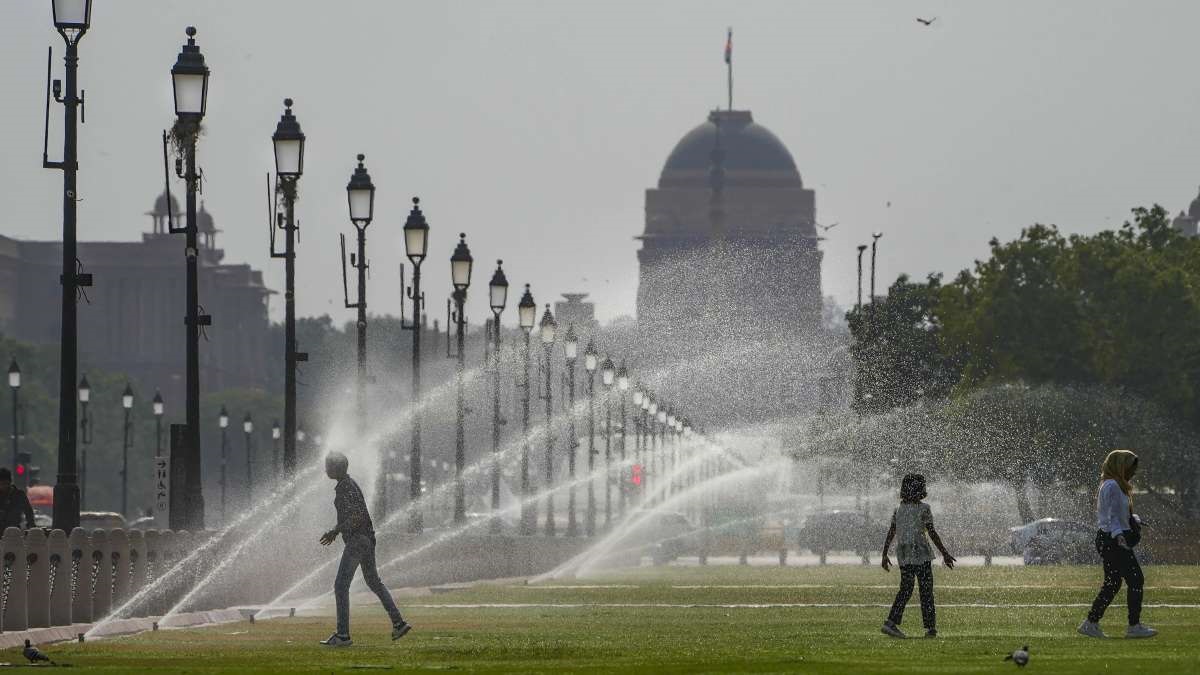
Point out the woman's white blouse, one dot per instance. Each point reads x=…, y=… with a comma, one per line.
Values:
x=1112, y=509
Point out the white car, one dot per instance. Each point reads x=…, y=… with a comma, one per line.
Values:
x=1053, y=540
x=1048, y=528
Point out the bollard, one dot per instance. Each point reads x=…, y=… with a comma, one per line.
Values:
x=37, y=557
x=151, y=558
x=118, y=546
x=100, y=575
x=13, y=546
x=60, y=578
x=137, y=562
x=79, y=575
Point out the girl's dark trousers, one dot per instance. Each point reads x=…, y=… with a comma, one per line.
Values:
x=923, y=575
x=1119, y=563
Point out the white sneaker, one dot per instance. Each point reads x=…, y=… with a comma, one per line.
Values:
x=1091, y=629
x=893, y=630
x=336, y=640
x=1140, y=630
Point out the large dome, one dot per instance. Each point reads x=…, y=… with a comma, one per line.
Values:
x=753, y=156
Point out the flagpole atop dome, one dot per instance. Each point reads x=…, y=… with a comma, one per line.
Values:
x=729, y=63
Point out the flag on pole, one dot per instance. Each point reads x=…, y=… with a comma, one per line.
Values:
x=729, y=47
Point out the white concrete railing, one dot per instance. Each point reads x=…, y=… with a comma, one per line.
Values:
x=52, y=579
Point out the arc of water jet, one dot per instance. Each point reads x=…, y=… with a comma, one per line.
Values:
x=584, y=562
x=157, y=584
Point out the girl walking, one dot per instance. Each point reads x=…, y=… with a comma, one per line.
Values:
x=1118, y=531
x=910, y=523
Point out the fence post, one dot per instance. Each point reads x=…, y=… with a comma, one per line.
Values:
x=37, y=557
x=101, y=581
x=137, y=563
x=118, y=545
x=80, y=575
x=13, y=544
x=60, y=571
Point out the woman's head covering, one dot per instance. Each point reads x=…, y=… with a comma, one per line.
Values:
x=1119, y=465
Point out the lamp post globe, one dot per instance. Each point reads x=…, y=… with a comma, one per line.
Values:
x=638, y=397
x=646, y=398
x=127, y=397
x=623, y=378
x=607, y=372
x=85, y=390
x=247, y=424
x=460, y=265
x=72, y=15
x=526, y=311
x=549, y=327
x=14, y=375
x=590, y=357
x=571, y=344
x=189, y=81
x=662, y=415
x=275, y=431
x=157, y=404
x=360, y=195
x=223, y=418
x=288, y=141
x=498, y=290
x=416, y=234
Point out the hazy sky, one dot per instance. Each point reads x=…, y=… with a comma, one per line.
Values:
x=535, y=127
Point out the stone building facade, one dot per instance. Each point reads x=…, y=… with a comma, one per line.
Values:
x=132, y=319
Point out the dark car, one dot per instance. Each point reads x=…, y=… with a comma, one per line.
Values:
x=840, y=531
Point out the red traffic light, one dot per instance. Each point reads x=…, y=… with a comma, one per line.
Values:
x=636, y=475
x=20, y=469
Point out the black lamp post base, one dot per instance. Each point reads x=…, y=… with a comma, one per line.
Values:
x=66, y=506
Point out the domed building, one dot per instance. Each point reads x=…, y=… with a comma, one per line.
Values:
x=729, y=252
x=1186, y=223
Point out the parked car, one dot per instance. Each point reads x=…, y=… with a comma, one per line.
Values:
x=1050, y=541
x=101, y=520
x=841, y=531
x=664, y=537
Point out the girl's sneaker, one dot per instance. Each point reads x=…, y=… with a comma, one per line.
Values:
x=1091, y=629
x=1140, y=630
x=893, y=630
x=336, y=640
x=931, y=633
x=400, y=630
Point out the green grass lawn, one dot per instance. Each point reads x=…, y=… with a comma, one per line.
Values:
x=597, y=625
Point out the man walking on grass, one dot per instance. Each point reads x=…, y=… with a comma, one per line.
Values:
x=358, y=535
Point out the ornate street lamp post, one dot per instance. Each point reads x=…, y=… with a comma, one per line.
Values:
x=85, y=436
x=648, y=474
x=360, y=196
x=659, y=468
x=571, y=351
x=276, y=433
x=247, y=436
x=189, y=79
x=623, y=483
x=607, y=377
x=664, y=451
x=416, y=244
x=549, y=329
x=72, y=18
x=497, y=298
x=158, y=408
x=127, y=404
x=461, y=264
x=14, y=383
x=526, y=315
x=223, y=423
x=590, y=363
x=288, y=143
x=639, y=395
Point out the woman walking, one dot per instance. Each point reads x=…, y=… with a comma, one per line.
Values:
x=1118, y=531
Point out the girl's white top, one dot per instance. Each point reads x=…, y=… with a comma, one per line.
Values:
x=1112, y=509
x=912, y=544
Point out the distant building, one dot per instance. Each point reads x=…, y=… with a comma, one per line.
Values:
x=1186, y=223
x=730, y=275
x=132, y=319
x=572, y=310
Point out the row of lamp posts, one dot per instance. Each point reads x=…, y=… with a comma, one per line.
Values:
x=190, y=76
